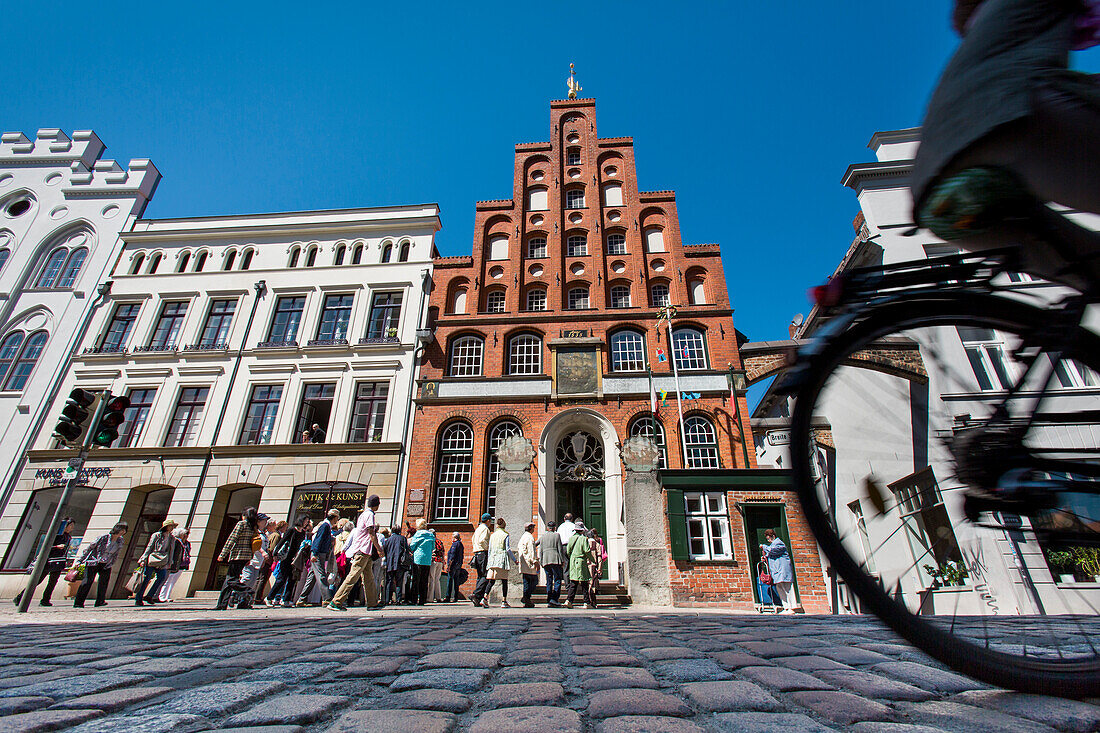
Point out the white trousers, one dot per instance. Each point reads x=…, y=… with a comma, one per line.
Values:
x=786, y=594
x=169, y=584
x=435, y=590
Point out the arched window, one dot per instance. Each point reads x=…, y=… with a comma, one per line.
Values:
x=497, y=435
x=246, y=261
x=136, y=263
x=311, y=257
x=651, y=428
x=230, y=258
x=154, y=263
x=701, y=443
x=387, y=252
x=654, y=240
x=200, y=262
x=339, y=259
x=536, y=247
x=23, y=364
x=466, y=354
x=525, y=354
x=184, y=258
x=9, y=349
x=613, y=194
x=62, y=265
x=357, y=254
x=616, y=244
x=456, y=460
x=576, y=245
x=658, y=295
x=536, y=299
x=696, y=292
x=574, y=198
x=4, y=254
x=48, y=277
x=627, y=351
x=72, y=267
x=620, y=296
x=458, y=301
x=578, y=298
x=404, y=255
x=689, y=348
x=294, y=252
x=494, y=301
x=537, y=199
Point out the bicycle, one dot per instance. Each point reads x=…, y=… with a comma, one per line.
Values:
x=1018, y=484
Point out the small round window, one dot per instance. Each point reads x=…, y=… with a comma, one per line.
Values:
x=610, y=171
x=18, y=208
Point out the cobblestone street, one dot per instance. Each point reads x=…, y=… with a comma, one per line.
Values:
x=458, y=668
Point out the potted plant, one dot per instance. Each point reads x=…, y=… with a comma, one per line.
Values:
x=1061, y=562
x=1088, y=561
x=949, y=574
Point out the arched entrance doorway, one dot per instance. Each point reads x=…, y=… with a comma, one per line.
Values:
x=145, y=511
x=578, y=463
x=229, y=502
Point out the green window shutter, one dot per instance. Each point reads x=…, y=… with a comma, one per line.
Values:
x=677, y=524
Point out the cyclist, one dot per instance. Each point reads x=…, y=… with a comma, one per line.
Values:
x=1007, y=119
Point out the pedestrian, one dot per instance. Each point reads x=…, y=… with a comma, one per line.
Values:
x=155, y=561
x=579, y=552
x=237, y=552
x=275, y=532
x=361, y=549
x=595, y=565
x=286, y=575
x=395, y=547
x=301, y=565
x=98, y=560
x=480, y=560
x=566, y=529
x=182, y=562
x=435, y=592
x=780, y=568
x=261, y=553
x=528, y=564
x=552, y=557
x=55, y=561
x=340, y=560
x=422, y=545
x=320, y=558
x=455, y=571
x=316, y=434
x=501, y=561
x=379, y=564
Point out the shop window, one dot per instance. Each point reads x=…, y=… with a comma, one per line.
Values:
x=38, y=516
x=316, y=499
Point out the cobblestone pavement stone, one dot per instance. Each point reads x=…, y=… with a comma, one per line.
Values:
x=455, y=668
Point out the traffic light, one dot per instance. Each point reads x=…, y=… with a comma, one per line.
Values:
x=70, y=426
x=114, y=414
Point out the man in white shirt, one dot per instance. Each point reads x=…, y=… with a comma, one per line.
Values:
x=358, y=550
x=480, y=558
x=567, y=529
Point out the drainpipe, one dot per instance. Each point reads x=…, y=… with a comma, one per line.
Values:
x=423, y=335
x=58, y=379
x=261, y=288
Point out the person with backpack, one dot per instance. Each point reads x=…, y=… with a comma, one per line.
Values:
x=286, y=575
x=579, y=552
x=320, y=558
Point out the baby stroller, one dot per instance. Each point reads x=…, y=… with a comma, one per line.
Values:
x=769, y=599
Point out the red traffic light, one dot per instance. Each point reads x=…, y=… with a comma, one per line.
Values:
x=118, y=404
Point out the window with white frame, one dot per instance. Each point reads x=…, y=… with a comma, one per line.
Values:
x=537, y=199
x=536, y=247
x=186, y=417
x=500, y=432
x=494, y=301
x=573, y=156
x=63, y=265
x=986, y=351
x=658, y=295
x=263, y=409
x=525, y=354
x=574, y=198
x=578, y=298
x=689, y=348
x=576, y=245
x=466, y=353
x=620, y=296
x=708, y=525
x=1073, y=374
x=613, y=194
x=627, y=351
x=456, y=460
x=701, y=443
x=616, y=243
x=649, y=427
x=536, y=299
x=18, y=357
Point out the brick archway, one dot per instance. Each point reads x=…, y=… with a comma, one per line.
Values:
x=894, y=355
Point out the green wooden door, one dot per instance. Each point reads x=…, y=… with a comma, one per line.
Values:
x=758, y=519
x=595, y=513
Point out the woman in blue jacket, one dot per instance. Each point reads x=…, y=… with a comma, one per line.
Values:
x=422, y=545
x=779, y=565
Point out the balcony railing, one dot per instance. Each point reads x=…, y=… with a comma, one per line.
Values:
x=327, y=342
x=379, y=340
x=162, y=348
x=277, y=345
x=106, y=349
x=216, y=346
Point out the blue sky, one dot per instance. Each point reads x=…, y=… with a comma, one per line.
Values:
x=751, y=111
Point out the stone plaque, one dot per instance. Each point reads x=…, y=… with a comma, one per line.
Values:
x=416, y=495
x=415, y=510
x=577, y=370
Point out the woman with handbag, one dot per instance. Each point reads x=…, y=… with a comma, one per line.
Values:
x=579, y=552
x=154, y=562
x=183, y=562
x=780, y=569
x=286, y=575
x=98, y=560
x=422, y=545
x=501, y=560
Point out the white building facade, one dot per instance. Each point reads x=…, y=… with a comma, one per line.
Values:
x=232, y=337
x=893, y=419
x=62, y=207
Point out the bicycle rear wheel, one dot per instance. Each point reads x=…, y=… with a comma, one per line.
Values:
x=887, y=442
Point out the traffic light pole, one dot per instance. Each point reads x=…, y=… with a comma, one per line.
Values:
x=51, y=535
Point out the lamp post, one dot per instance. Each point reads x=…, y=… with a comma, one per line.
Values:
x=738, y=385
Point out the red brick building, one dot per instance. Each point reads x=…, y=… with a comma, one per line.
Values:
x=552, y=329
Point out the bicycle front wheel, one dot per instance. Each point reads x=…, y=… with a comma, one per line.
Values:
x=915, y=406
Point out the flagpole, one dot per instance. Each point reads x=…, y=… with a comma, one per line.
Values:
x=667, y=313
